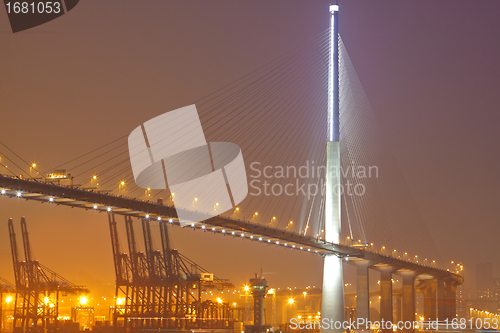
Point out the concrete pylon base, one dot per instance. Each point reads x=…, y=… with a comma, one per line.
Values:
x=332, y=307
x=332, y=302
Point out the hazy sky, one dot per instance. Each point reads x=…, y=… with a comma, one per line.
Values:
x=430, y=70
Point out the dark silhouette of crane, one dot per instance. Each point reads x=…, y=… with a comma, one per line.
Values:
x=37, y=287
x=161, y=288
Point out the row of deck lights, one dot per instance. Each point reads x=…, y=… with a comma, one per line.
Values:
x=203, y=227
x=122, y=183
x=223, y=231
x=233, y=233
x=237, y=209
x=458, y=268
x=260, y=238
x=18, y=194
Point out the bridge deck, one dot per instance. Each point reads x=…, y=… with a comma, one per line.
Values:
x=88, y=199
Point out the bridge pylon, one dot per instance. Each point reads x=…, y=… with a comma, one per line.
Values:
x=332, y=307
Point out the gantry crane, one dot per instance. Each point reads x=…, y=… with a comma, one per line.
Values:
x=37, y=288
x=158, y=288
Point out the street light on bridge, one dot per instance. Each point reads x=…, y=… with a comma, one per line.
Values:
x=121, y=186
x=32, y=168
x=93, y=181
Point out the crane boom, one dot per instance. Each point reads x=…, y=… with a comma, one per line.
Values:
x=15, y=253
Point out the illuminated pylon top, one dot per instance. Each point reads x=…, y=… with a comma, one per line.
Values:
x=333, y=77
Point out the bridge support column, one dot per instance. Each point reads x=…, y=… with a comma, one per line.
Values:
x=430, y=299
x=362, y=290
x=441, y=295
x=397, y=310
x=451, y=299
x=332, y=299
x=408, y=298
x=386, y=295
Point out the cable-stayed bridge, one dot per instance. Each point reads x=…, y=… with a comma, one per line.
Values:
x=291, y=93
x=74, y=197
x=439, y=285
